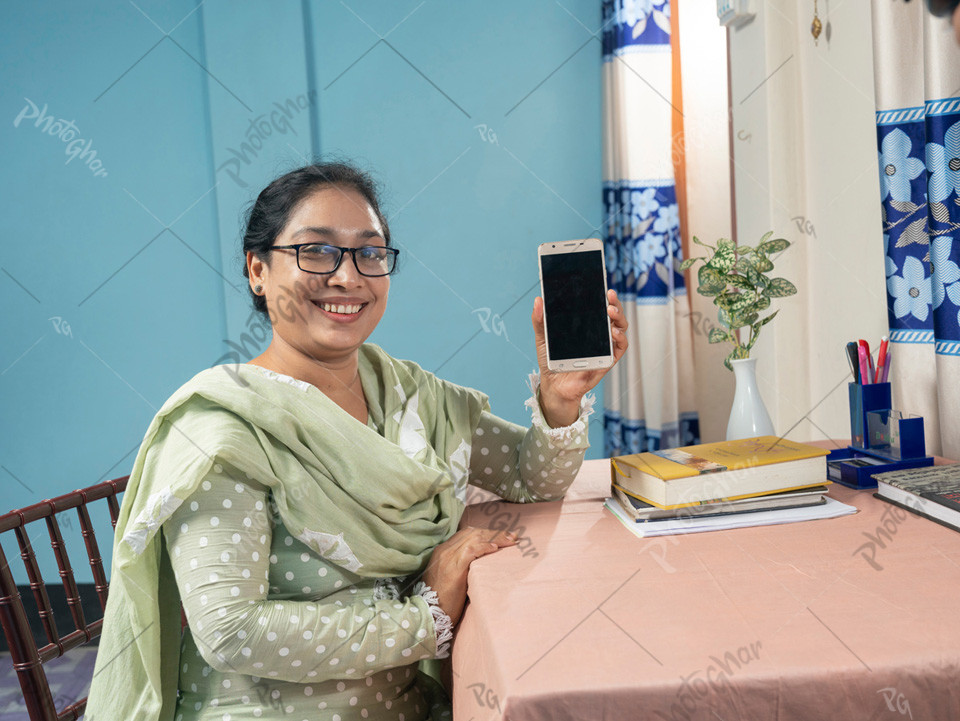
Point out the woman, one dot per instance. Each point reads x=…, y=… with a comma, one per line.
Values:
x=304, y=506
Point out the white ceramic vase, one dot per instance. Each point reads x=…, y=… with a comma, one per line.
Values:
x=748, y=417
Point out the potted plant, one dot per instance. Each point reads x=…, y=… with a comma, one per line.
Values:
x=737, y=279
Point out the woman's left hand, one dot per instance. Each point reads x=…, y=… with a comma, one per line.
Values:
x=560, y=393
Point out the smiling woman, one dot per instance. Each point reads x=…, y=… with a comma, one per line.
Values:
x=304, y=507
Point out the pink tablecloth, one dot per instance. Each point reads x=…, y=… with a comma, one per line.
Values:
x=850, y=618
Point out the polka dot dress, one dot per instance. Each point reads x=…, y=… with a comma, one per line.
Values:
x=524, y=465
x=277, y=632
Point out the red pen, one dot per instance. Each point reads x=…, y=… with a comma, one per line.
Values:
x=882, y=361
x=866, y=347
x=864, y=367
x=886, y=366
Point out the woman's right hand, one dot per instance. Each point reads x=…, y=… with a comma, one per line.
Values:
x=447, y=570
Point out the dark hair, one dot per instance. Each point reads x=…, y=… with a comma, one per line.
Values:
x=269, y=215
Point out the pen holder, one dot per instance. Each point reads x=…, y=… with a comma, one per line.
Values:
x=864, y=399
x=896, y=435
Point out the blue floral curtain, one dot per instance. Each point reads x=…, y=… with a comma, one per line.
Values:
x=648, y=398
x=917, y=70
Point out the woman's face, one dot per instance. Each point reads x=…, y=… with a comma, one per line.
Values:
x=326, y=317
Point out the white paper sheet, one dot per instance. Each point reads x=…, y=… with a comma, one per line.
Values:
x=675, y=526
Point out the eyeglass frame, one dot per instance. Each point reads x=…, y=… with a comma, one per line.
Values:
x=395, y=252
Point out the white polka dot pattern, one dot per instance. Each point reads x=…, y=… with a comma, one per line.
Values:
x=524, y=465
x=317, y=623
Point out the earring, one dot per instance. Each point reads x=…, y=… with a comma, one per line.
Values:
x=257, y=288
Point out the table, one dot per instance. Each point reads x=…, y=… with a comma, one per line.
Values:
x=848, y=618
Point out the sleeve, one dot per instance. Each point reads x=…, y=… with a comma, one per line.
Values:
x=524, y=465
x=218, y=542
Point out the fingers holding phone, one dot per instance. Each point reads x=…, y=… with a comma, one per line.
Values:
x=618, y=318
x=579, y=326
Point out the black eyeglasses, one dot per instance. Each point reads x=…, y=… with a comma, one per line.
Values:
x=370, y=260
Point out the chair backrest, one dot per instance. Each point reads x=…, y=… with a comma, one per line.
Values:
x=27, y=657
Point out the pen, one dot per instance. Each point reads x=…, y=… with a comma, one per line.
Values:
x=886, y=365
x=868, y=377
x=853, y=359
x=864, y=368
x=881, y=360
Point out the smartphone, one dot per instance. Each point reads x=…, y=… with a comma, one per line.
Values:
x=573, y=283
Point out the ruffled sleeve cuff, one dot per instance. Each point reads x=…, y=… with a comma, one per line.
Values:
x=441, y=620
x=564, y=434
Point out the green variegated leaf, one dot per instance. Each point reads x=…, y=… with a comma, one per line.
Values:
x=774, y=246
x=700, y=242
x=717, y=335
x=746, y=267
x=709, y=280
x=688, y=262
x=765, y=238
x=763, y=264
x=751, y=319
x=724, y=258
x=724, y=318
x=739, y=302
x=780, y=288
x=739, y=281
x=769, y=318
x=762, y=303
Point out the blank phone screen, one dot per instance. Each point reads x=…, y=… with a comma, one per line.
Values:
x=576, y=309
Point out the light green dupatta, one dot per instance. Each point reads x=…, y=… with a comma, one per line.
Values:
x=375, y=505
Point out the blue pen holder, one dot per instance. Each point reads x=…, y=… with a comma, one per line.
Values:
x=864, y=399
x=895, y=435
x=882, y=439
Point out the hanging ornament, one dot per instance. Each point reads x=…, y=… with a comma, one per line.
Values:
x=816, y=26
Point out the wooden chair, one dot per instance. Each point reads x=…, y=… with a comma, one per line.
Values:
x=28, y=658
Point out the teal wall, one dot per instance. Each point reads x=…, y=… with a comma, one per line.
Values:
x=482, y=121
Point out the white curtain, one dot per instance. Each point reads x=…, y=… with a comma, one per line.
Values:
x=917, y=71
x=649, y=396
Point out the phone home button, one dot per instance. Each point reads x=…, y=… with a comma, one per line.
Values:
x=580, y=364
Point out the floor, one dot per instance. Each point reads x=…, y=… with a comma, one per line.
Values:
x=69, y=679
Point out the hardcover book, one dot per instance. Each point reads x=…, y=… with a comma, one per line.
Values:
x=932, y=492
x=753, y=467
x=642, y=512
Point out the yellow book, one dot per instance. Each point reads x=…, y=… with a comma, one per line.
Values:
x=721, y=471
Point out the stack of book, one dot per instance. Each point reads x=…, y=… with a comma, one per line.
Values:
x=718, y=479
